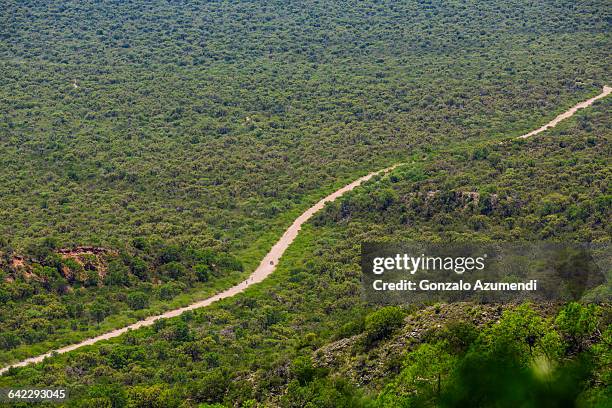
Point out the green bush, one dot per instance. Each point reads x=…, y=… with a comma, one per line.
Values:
x=381, y=323
x=172, y=270
x=202, y=272
x=303, y=370
x=138, y=300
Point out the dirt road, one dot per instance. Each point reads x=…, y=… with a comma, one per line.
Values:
x=606, y=91
x=265, y=268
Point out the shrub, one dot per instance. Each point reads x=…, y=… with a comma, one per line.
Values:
x=459, y=336
x=140, y=268
x=117, y=274
x=381, y=323
x=303, y=370
x=137, y=300
x=172, y=270
x=351, y=328
x=98, y=311
x=202, y=272
x=211, y=387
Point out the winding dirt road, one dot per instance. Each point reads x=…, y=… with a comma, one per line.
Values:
x=265, y=268
x=269, y=262
x=606, y=91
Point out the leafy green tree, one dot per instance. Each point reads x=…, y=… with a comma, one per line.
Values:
x=488, y=380
x=577, y=322
x=518, y=336
x=423, y=376
x=99, y=310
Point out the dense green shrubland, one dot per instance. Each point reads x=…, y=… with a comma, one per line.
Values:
x=305, y=335
x=55, y=300
x=173, y=132
x=204, y=122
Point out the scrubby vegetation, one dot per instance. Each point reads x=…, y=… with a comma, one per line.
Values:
x=305, y=335
x=182, y=137
x=61, y=296
x=204, y=123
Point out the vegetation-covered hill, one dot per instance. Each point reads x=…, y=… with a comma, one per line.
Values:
x=202, y=122
x=182, y=137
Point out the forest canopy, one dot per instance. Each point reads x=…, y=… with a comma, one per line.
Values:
x=152, y=152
